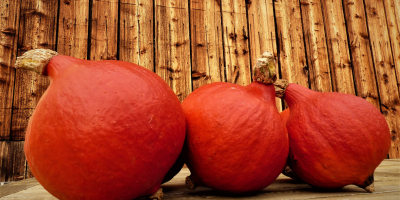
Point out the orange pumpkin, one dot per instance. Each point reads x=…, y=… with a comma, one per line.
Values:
x=287, y=171
x=235, y=140
x=102, y=129
x=335, y=139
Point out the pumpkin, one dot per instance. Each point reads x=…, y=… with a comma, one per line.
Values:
x=235, y=141
x=102, y=129
x=335, y=139
x=287, y=171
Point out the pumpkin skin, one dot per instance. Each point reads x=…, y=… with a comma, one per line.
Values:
x=235, y=139
x=287, y=171
x=285, y=115
x=335, y=139
x=103, y=130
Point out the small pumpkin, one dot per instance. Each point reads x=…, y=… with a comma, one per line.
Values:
x=335, y=139
x=235, y=141
x=102, y=129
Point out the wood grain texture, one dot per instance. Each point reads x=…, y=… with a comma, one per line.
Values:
x=360, y=51
x=292, y=55
x=338, y=48
x=4, y=152
x=73, y=28
x=12, y=161
x=206, y=43
x=316, y=48
x=261, y=29
x=9, y=20
x=137, y=32
x=262, y=35
x=104, y=36
x=392, y=11
x=173, y=45
x=236, y=45
x=37, y=29
x=385, y=71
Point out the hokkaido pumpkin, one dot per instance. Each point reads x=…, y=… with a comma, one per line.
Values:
x=287, y=171
x=102, y=129
x=335, y=139
x=235, y=140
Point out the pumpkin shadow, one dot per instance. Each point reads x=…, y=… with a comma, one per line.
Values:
x=201, y=191
x=179, y=191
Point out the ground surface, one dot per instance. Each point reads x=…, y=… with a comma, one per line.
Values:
x=387, y=186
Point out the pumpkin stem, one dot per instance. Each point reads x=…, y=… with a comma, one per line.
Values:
x=289, y=173
x=157, y=196
x=264, y=70
x=280, y=87
x=368, y=184
x=35, y=60
x=190, y=183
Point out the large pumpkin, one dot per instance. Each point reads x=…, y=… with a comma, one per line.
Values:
x=235, y=141
x=335, y=139
x=102, y=129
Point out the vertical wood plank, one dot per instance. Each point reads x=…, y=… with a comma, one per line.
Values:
x=73, y=28
x=4, y=152
x=363, y=68
x=385, y=71
x=9, y=12
x=12, y=161
x=173, y=45
x=136, y=32
x=104, y=36
x=235, y=37
x=37, y=29
x=262, y=33
x=392, y=10
x=261, y=28
x=206, y=42
x=292, y=54
x=316, y=49
x=338, y=49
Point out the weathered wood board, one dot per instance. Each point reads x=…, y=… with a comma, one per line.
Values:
x=9, y=11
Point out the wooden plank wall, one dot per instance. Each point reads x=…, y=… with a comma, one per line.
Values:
x=349, y=46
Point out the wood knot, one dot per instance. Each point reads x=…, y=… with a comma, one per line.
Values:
x=233, y=36
x=67, y=2
x=385, y=78
x=9, y=31
x=178, y=44
x=196, y=74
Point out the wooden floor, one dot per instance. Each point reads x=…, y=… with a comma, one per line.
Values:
x=348, y=46
x=387, y=187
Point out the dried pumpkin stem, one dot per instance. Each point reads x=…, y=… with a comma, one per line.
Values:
x=190, y=183
x=280, y=87
x=289, y=173
x=368, y=184
x=35, y=60
x=264, y=70
x=157, y=196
